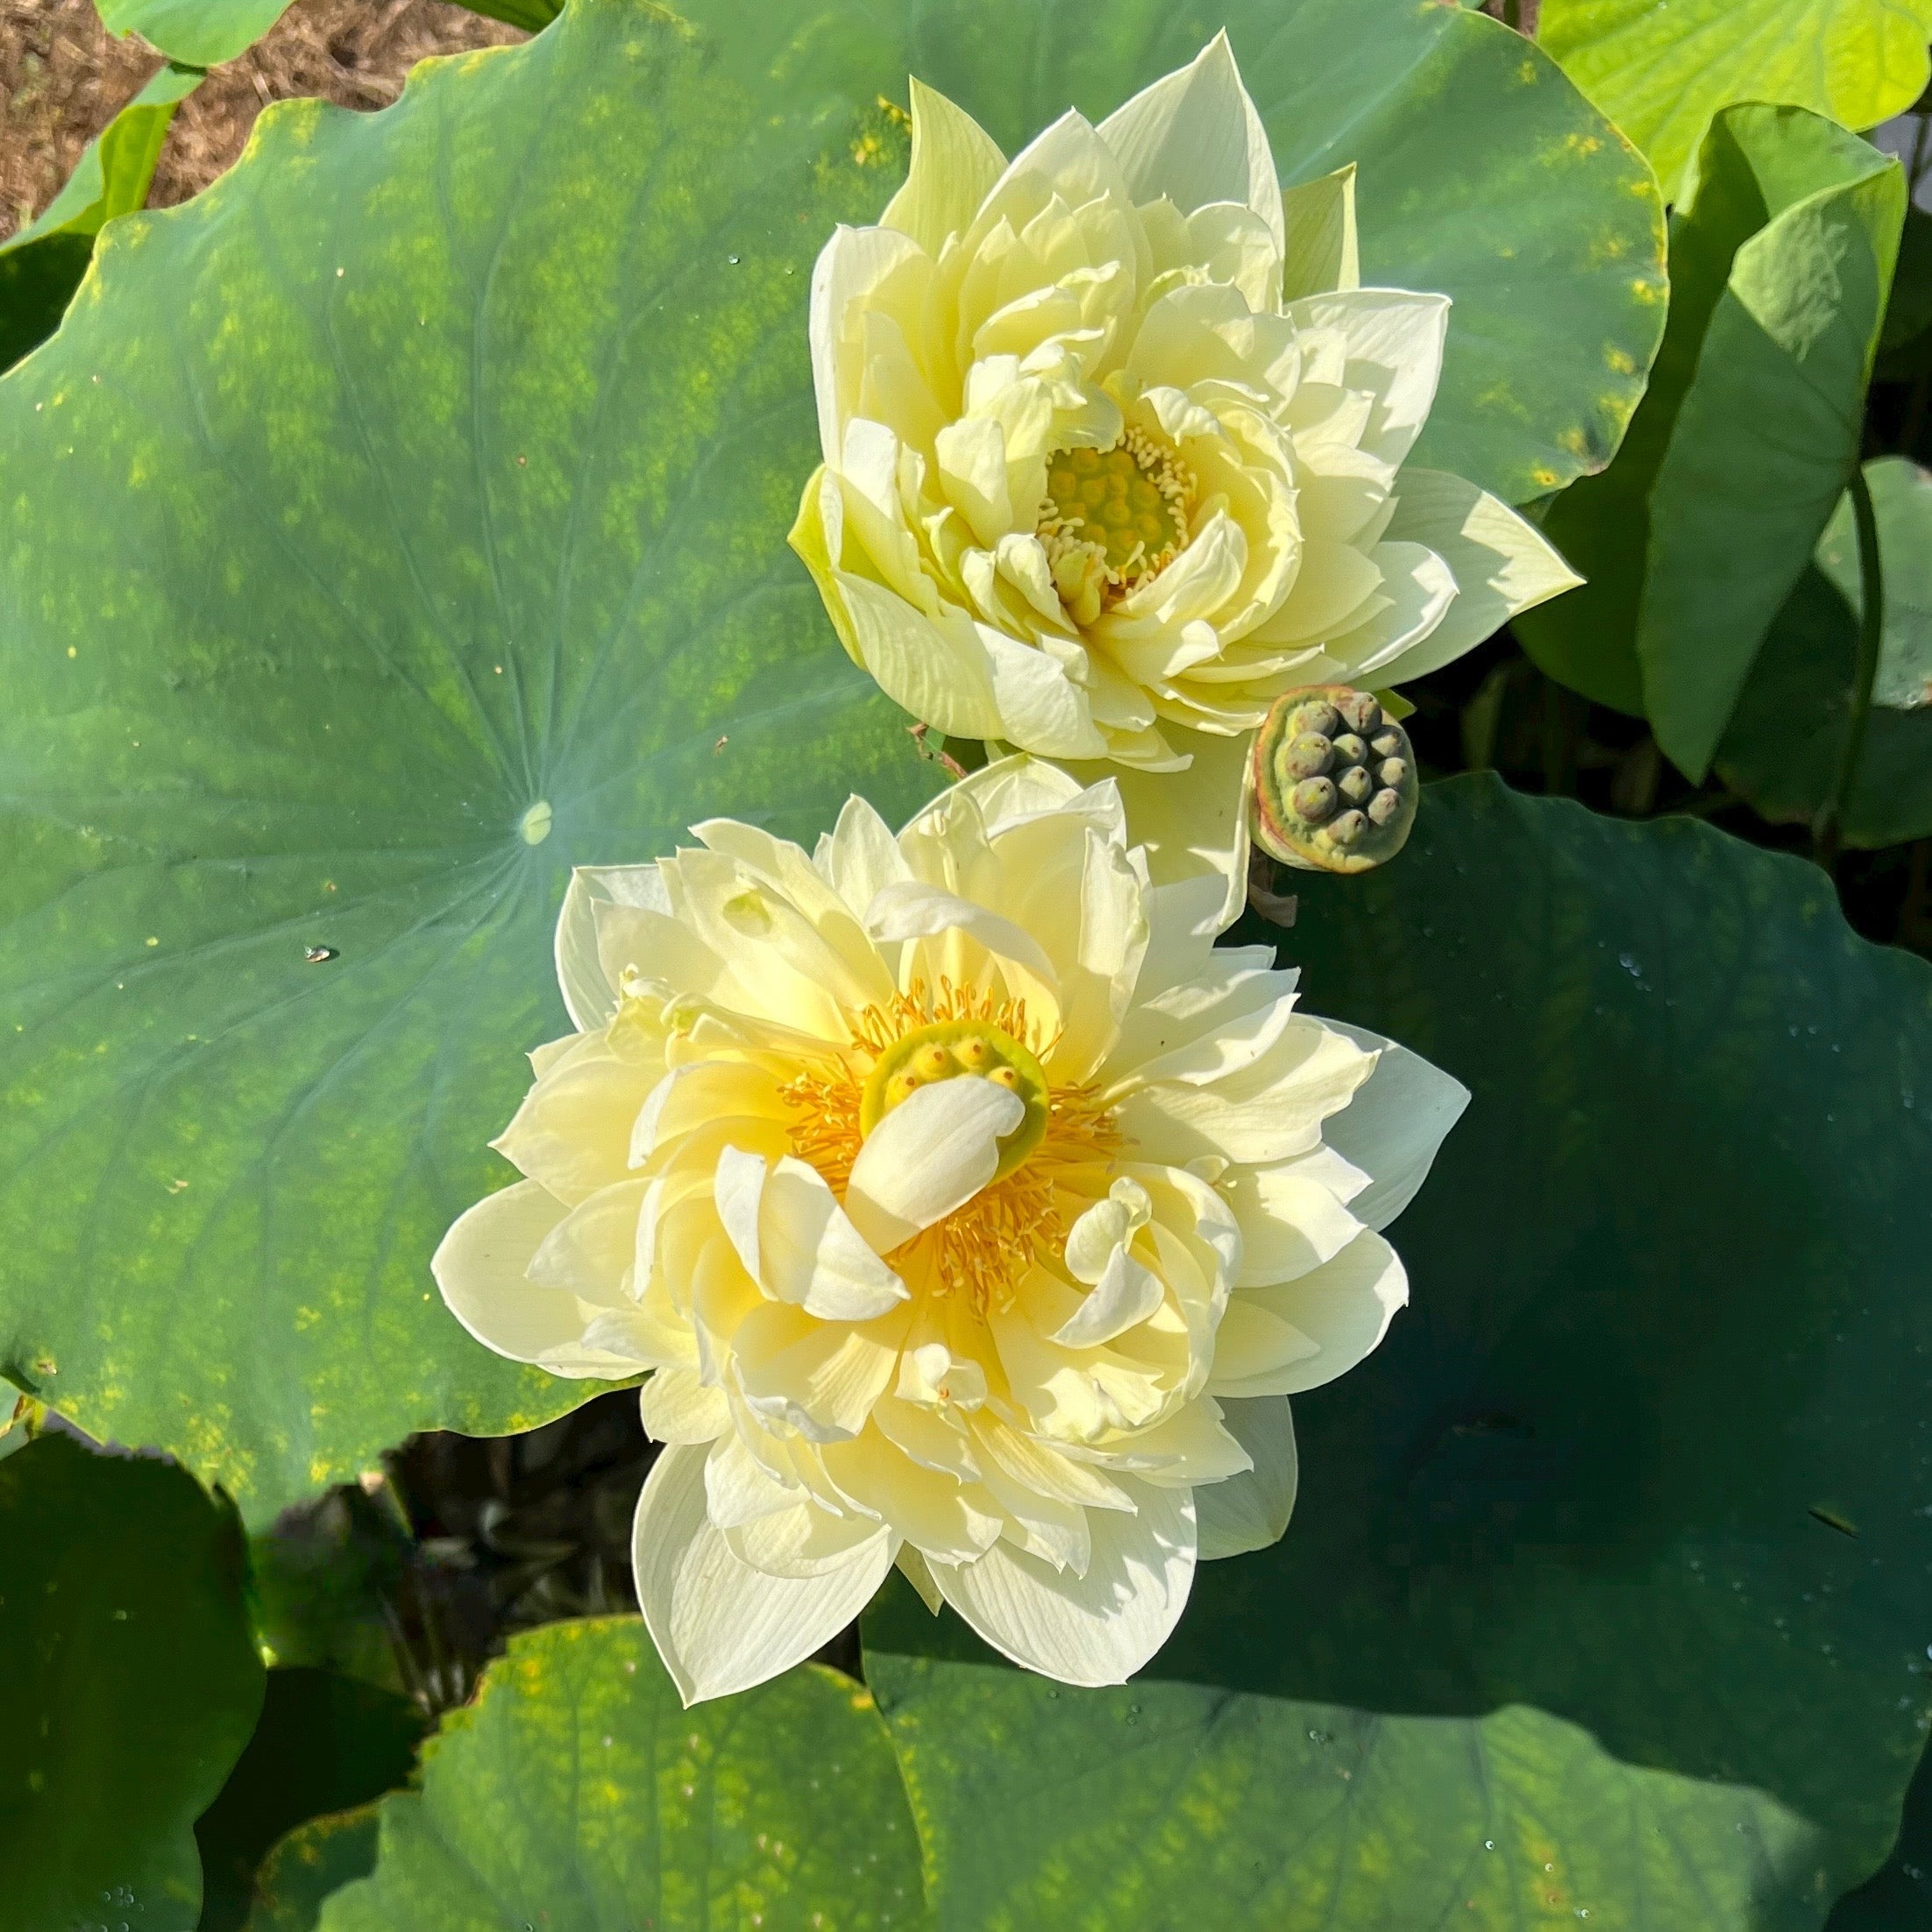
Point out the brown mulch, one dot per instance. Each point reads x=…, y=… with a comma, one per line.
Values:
x=63, y=77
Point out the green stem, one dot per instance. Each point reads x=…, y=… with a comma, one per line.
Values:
x=1827, y=829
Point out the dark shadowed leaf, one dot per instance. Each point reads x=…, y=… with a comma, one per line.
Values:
x=1787, y=740
x=1648, y=1454
x=324, y=1743
x=129, y=1683
x=314, y=1860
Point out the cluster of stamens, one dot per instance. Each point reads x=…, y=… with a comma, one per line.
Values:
x=1067, y=1142
x=1113, y=519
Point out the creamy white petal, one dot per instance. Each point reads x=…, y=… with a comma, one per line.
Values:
x=1393, y=345
x=912, y=1567
x=1193, y=824
x=930, y=1154
x=1501, y=564
x=1280, y=1341
x=1124, y=1297
x=850, y=266
x=1393, y=1125
x=1322, y=253
x=938, y=669
x=677, y=1407
x=720, y=1625
x=1250, y=1511
x=482, y=1266
x=797, y=1242
x=1195, y=138
x=1096, y=1629
x=913, y=909
x=954, y=166
x=590, y=994
x=1291, y=1222
x=859, y=856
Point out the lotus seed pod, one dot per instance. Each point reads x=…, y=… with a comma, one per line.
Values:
x=1313, y=799
x=1308, y=756
x=1335, y=786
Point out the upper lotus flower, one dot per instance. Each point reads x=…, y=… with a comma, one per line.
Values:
x=973, y=1211
x=1115, y=448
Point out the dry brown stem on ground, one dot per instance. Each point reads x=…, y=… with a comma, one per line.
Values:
x=63, y=77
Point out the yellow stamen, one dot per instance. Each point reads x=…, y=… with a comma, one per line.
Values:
x=984, y=1249
x=1113, y=519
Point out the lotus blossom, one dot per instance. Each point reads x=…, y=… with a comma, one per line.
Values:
x=1116, y=450
x=972, y=1211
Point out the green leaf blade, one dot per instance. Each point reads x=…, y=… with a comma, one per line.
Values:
x=1662, y=72
x=1749, y=482
x=574, y=1792
x=1745, y=438
x=198, y=33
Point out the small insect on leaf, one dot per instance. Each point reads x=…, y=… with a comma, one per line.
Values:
x=1832, y=1520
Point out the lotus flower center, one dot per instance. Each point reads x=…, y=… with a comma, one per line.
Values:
x=945, y=1050
x=1113, y=519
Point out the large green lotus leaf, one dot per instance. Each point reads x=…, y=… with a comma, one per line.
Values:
x=323, y=1744
x=1178, y=1804
x=576, y=1794
x=1548, y=230
x=1649, y=1450
x=1762, y=171
x=42, y=266
x=198, y=33
x=313, y=1861
x=128, y=1681
x=393, y=526
x=1785, y=745
x=1660, y=72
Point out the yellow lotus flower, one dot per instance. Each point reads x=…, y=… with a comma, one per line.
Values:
x=972, y=1211
x=1116, y=451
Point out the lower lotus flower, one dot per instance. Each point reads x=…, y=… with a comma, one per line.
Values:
x=971, y=1210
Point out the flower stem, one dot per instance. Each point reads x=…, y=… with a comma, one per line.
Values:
x=1826, y=828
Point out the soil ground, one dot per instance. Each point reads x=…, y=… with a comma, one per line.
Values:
x=63, y=77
